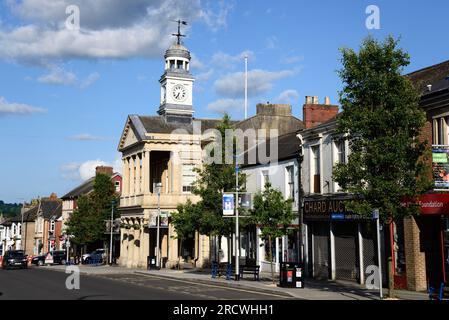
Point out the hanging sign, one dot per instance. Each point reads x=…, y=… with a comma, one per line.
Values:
x=228, y=204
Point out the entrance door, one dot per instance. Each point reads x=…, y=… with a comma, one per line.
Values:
x=321, y=250
x=346, y=251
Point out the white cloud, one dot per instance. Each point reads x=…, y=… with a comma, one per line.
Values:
x=58, y=76
x=226, y=105
x=288, y=96
x=91, y=78
x=292, y=59
x=216, y=20
x=108, y=28
x=271, y=42
x=85, y=137
x=259, y=82
x=7, y=108
x=204, y=76
x=227, y=61
x=86, y=170
x=195, y=63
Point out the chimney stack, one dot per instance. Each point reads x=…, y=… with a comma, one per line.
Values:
x=104, y=170
x=315, y=114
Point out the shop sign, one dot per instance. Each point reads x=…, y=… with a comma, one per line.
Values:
x=440, y=167
x=329, y=209
x=435, y=203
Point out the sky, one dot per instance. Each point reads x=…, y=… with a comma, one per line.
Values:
x=65, y=93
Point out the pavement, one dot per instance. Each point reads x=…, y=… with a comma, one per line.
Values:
x=314, y=289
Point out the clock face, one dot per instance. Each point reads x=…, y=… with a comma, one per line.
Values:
x=179, y=92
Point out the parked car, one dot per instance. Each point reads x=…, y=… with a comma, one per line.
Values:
x=59, y=257
x=14, y=259
x=97, y=256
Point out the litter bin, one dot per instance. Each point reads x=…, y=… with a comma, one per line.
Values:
x=291, y=275
x=151, y=263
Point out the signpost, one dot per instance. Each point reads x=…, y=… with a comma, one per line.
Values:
x=376, y=217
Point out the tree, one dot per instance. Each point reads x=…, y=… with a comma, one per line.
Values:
x=87, y=223
x=273, y=214
x=387, y=160
x=185, y=221
x=213, y=180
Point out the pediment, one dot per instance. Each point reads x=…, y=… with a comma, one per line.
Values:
x=129, y=136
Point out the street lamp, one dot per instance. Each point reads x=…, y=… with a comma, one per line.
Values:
x=158, y=255
x=110, y=241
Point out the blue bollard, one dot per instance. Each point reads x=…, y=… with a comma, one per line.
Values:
x=214, y=270
x=229, y=272
x=441, y=291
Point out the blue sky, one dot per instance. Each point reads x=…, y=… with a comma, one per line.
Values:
x=65, y=95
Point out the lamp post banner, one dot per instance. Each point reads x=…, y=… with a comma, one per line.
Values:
x=228, y=204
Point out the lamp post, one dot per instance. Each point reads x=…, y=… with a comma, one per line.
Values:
x=158, y=255
x=110, y=241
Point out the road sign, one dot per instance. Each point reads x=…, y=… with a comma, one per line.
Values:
x=228, y=204
x=49, y=259
x=376, y=214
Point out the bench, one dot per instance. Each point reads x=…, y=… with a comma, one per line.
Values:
x=250, y=269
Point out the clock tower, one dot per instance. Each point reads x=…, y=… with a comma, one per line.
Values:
x=177, y=85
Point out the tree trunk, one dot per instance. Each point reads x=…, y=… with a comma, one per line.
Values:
x=180, y=254
x=271, y=258
x=390, y=263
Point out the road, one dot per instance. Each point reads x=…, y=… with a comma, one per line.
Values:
x=43, y=283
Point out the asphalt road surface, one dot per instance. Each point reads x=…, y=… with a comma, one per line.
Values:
x=41, y=283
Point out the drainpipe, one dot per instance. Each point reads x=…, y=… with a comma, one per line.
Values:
x=300, y=202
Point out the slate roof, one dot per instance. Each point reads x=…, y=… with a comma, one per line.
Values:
x=288, y=148
x=48, y=208
x=84, y=188
x=157, y=124
x=436, y=75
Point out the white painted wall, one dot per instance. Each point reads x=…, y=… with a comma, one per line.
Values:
x=278, y=178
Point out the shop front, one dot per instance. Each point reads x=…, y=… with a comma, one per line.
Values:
x=433, y=223
x=339, y=244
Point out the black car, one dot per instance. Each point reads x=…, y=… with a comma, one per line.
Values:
x=14, y=259
x=59, y=257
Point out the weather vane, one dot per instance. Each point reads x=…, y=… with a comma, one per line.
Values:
x=179, y=35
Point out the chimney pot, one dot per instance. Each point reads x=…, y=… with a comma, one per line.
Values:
x=327, y=101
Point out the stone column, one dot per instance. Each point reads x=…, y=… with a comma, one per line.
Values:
x=132, y=185
x=136, y=252
x=176, y=172
x=172, y=245
x=146, y=171
x=125, y=186
x=138, y=186
x=146, y=245
x=415, y=260
x=123, y=246
x=131, y=246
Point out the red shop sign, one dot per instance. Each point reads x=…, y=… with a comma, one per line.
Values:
x=435, y=203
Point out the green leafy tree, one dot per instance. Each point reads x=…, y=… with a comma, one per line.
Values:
x=213, y=180
x=185, y=221
x=87, y=222
x=273, y=214
x=387, y=159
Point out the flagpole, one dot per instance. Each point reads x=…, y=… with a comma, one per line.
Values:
x=246, y=86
